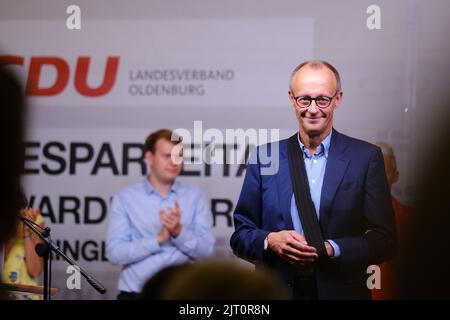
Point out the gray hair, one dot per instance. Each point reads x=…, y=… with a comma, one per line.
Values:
x=317, y=64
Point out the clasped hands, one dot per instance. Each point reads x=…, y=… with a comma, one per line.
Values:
x=293, y=247
x=170, y=219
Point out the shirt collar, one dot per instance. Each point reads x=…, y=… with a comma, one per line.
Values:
x=149, y=189
x=323, y=147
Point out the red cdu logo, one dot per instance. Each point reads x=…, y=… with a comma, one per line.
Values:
x=33, y=87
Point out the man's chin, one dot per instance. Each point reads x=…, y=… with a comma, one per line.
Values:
x=313, y=132
x=171, y=178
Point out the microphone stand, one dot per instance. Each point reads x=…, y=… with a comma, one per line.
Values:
x=44, y=250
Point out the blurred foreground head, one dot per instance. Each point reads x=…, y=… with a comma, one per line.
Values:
x=12, y=109
x=425, y=261
x=221, y=280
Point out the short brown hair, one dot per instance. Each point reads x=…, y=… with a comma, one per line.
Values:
x=317, y=64
x=154, y=137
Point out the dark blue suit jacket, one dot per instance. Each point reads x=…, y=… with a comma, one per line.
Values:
x=355, y=212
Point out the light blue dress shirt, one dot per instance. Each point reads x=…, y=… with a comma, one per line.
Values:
x=315, y=170
x=134, y=225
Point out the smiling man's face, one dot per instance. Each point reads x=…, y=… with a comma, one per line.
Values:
x=314, y=82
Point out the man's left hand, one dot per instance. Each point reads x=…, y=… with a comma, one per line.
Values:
x=171, y=220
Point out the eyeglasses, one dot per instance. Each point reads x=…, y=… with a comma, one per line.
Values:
x=321, y=101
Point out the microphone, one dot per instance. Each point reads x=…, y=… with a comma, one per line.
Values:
x=41, y=249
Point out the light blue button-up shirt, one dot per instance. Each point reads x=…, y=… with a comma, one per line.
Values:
x=134, y=225
x=315, y=169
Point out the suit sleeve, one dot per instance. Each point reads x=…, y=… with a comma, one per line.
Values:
x=247, y=241
x=379, y=242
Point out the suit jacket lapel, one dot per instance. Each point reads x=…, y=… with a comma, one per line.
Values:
x=337, y=164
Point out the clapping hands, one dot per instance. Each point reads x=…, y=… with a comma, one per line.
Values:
x=170, y=218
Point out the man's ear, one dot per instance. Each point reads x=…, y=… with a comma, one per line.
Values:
x=338, y=99
x=291, y=98
x=148, y=156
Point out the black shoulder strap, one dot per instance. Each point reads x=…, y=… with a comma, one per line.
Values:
x=302, y=195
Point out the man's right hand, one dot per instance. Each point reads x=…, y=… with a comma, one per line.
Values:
x=292, y=247
x=163, y=235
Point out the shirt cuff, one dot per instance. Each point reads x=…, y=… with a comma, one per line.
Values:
x=337, y=251
x=151, y=244
x=183, y=237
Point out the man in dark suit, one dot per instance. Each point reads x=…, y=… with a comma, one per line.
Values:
x=348, y=189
